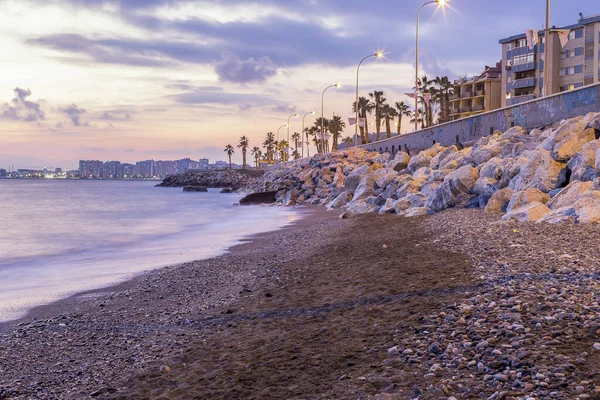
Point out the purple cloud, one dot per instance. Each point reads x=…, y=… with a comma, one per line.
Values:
x=74, y=113
x=232, y=69
x=21, y=109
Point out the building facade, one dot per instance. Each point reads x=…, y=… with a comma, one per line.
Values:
x=477, y=94
x=570, y=66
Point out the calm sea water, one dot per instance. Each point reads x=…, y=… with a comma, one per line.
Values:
x=61, y=237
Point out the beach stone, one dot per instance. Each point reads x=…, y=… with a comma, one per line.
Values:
x=588, y=207
x=542, y=172
x=525, y=197
x=422, y=174
x=423, y=159
x=583, y=163
x=492, y=169
x=441, y=156
x=528, y=213
x=387, y=207
x=458, y=182
x=400, y=206
x=499, y=201
x=485, y=187
x=383, y=177
x=570, y=138
x=560, y=215
x=416, y=212
x=365, y=188
x=340, y=201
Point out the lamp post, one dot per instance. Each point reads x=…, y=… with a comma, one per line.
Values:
x=337, y=85
x=439, y=3
x=302, y=141
x=282, y=126
x=288, y=135
x=546, y=48
x=379, y=54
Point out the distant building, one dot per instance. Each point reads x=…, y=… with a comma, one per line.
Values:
x=477, y=94
x=112, y=170
x=144, y=169
x=164, y=168
x=90, y=168
x=204, y=163
x=2, y=173
x=221, y=165
x=572, y=66
x=127, y=170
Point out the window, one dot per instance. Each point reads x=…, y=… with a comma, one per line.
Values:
x=509, y=46
x=508, y=95
x=571, y=70
x=567, y=87
x=522, y=43
x=523, y=59
x=571, y=35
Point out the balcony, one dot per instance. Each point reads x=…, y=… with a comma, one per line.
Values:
x=523, y=67
x=466, y=94
x=454, y=96
x=523, y=83
x=519, y=99
x=479, y=93
x=478, y=107
x=465, y=109
x=455, y=110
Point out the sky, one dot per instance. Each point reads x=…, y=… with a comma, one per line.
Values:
x=132, y=80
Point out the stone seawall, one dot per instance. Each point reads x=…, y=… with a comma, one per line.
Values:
x=529, y=115
x=213, y=179
x=547, y=175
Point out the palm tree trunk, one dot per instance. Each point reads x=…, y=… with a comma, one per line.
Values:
x=230, y=166
x=388, y=128
x=399, y=123
x=307, y=145
x=244, y=158
x=366, y=128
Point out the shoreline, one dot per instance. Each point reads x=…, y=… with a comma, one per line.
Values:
x=48, y=310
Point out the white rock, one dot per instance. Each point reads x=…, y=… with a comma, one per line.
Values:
x=528, y=213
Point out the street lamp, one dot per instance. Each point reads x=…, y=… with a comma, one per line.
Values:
x=282, y=126
x=546, y=47
x=337, y=85
x=379, y=55
x=440, y=3
x=301, y=141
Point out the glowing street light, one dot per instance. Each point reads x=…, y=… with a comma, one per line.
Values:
x=440, y=3
x=282, y=126
x=379, y=55
x=337, y=85
x=546, y=47
x=288, y=134
x=301, y=141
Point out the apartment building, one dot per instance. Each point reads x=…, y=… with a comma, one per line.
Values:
x=477, y=94
x=570, y=66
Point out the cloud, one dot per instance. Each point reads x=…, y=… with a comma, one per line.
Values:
x=74, y=113
x=22, y=109
x=192, y=88
x=284, y=109
x=243, y=99
x=232, y=69
x=116, y=115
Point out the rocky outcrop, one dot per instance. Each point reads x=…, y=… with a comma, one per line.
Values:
x=234, y=179
x=195, y=189
x=535, y=176
x=259, y=198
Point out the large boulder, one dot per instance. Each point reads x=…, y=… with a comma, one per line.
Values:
x=387, y=207
x=340, y=201
x=384, y=176
x=568, y=139
x=409, y=186
x=528, y=213
x=584, y=211
x=499, y=201
x=485, y=187
x=399, y=162
x=525, y=197
x=542, y=172
x=195, y=189
x=583, y=163
x=365, y=188
x=441, y=156
x=416, y=212
x=458, y=182
x=569, y=195
x=423, y=159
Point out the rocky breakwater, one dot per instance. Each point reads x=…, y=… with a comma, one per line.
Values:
x=550, y=175
x=234, y=179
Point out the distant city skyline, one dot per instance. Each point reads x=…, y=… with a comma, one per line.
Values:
x=127, y=80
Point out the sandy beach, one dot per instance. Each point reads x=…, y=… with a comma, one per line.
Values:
x=376, y=306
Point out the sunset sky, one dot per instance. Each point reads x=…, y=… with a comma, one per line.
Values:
x=131, y=80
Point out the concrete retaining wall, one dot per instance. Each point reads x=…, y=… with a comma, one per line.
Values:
x=529, y=115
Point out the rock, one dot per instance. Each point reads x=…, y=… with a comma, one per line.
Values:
x=570, y=138
x=485, y=187
x=525, y=197
x=387, y=207
x=358, y=207
x=422, y=174
x=542, y=172
x=227, y=190
x=383, y=177
x=289, y=199
x=458, y=182
x=259, y=198
x=492, y=169
x=400, y=206
x=441, y=156
x=499, y=201
x=528, y=213
x=569, y=195
x=583, y=163
x=340, y=201
x=423, y=159
x=409, y=186
x=560, y=215
x=365, y=188
x=195, y=189
x=399, y=162
x=588, y=207
x=597, y=346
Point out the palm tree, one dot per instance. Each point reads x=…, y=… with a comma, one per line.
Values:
x=403, y=110
x=309, y=132
x=364, y=107
x=256, y=153
x=389, y=114
x=349, y=141
x=244, y=145
x=229, y=150
x=317, y=125
x=446, y=88
x=269, y=143
x=378, y=101
x=282, y=145
x=336, y=126
x=296, y=137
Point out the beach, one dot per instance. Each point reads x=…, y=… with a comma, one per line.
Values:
x=375, y=306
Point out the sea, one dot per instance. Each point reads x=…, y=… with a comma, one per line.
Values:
x=61, y=237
